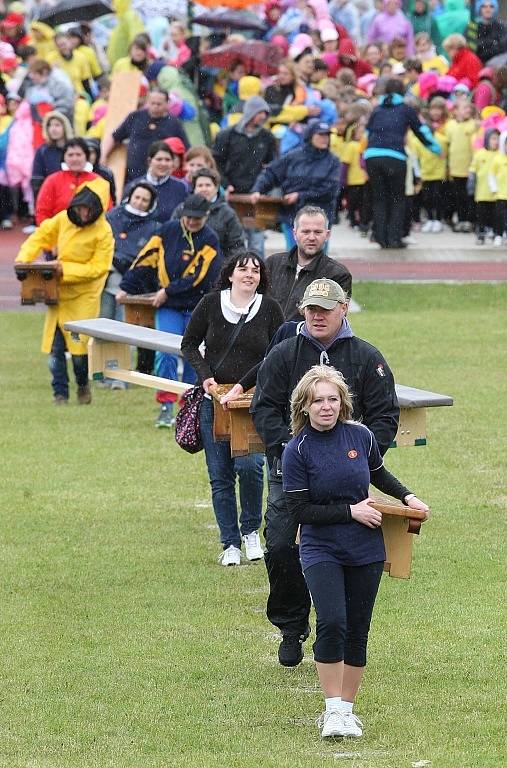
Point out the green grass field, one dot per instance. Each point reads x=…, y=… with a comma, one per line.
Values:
x=123, y=643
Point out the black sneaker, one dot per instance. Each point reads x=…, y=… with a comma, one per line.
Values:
x=290, y=650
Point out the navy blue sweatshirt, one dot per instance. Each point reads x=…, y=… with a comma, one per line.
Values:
x=388, y=126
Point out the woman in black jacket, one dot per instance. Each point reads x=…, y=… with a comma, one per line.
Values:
x=222, y=219
x=386, y=161
x=240, y=298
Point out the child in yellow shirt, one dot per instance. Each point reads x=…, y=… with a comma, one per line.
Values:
x=498, y=183
x=355, y=180
x=434, y=167
x=479, y=183
x=460, y=132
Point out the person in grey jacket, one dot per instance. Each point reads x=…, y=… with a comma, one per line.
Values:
x=291, y=272
x=55, y=82
x=222, y=219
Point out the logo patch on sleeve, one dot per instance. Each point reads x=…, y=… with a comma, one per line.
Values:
x=352, y=454
x=380, y=370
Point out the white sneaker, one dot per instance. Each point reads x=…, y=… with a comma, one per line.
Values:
x=409, y=240
x=427, y=226
x=6, y=224
x=436, y=227
x=331, y=724
x=253, y=549
x=230, y=556
x=497, y=242
x=29, y=229
x=351, y=724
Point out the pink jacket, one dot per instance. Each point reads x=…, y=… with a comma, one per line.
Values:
x=20, y=151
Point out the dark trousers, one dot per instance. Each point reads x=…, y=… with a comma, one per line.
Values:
x=58, y=367
x=464, y=203
x=500, y=217
x=343, y=597
x=358, y=205
x=409, y=210
x=6, y=208
x=485, y=217
x=432, y=192
x=289, y=600
x=387, y=181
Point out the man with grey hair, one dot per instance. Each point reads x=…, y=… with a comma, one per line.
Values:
x=291, y=272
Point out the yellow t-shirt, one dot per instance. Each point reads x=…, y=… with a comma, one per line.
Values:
x=124, y=65
x=77, y=68
x=351, y=155
x=499, y=171
x=336, y=145
x=433, y=167
x=481, y=165
x=460, y=137
x=92, y=60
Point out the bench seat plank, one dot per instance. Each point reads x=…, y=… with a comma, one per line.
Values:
x=114, y=331
x=410, y=397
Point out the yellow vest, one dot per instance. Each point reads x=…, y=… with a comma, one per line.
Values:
x=460, y=137
x=352, y=156
x=499, y=171
x=481, y=165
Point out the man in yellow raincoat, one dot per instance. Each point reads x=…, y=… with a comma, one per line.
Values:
x=84, y=244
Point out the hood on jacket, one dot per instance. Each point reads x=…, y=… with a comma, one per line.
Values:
x=55, y=115
x=251, y=108
x=391, y=100
x=488, y=134
x=95, y=195
x=44, y=30
x=347, y=48
x=479, y=5
x=315, y=126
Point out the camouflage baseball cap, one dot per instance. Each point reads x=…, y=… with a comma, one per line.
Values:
x=323, y=293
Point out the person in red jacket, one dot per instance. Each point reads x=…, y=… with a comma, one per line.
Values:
x=59, y=188
x=465, y=65
x=348, y=58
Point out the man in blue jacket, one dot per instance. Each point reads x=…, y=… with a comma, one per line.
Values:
x=309, y=175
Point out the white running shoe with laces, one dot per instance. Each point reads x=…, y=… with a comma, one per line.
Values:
x=427, y=226
x=331, y=724
x=230, y=556
x=497, y=242
x=352, y=726
x=253, y=549
x=437, y=227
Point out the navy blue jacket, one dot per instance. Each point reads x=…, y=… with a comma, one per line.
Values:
x=185, y=265
x=48, y=159
x=169, y=195
x=388, y=126
x=313, y=173
x=131, y=233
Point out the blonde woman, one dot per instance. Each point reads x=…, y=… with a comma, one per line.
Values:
x=327, y=468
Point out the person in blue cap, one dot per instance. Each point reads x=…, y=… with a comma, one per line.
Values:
x=309, y=175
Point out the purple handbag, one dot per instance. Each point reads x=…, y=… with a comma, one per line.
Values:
x=187, y=430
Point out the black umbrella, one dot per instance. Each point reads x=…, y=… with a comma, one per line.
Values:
x=68, y=11
x=230, y=19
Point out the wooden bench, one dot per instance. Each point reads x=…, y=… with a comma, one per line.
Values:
x=109, y=351
x=139, y=310
x=109, y=356
x=39, y=283
x=413, y=404
x=399, y=524
x=264, y=214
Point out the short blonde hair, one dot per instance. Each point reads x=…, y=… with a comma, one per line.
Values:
x=454, y=41
x=304, y=392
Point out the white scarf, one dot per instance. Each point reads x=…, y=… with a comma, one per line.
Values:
x=232, y=313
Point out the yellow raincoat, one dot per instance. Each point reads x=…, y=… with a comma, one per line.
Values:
x=86, y=254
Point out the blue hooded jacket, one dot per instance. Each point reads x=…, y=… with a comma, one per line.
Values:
x=388, y=126
x=313, y=173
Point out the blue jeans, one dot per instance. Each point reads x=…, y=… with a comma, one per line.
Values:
x=58, y=367
x=110, y=308
x=222, y=471
x=166, y=365
x=255, y=241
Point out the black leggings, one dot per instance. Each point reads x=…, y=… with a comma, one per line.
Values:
x=343, y=597
x=432, y=193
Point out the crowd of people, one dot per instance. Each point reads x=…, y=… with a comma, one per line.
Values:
x=389, y=116
x=311, y=133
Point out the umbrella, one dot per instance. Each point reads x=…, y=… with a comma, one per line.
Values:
x=68, y=11
x=500, y=60
x=228, y=3
x=258, y=57
x=224, y=19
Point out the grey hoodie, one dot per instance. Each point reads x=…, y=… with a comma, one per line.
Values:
x=252, y=107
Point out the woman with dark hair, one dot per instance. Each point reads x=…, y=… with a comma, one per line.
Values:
x=133, y=223
x=240, y=298
x=222, y=219
x=59, y=188
x=138, y=59
x=170, y=191
x=386, y=161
